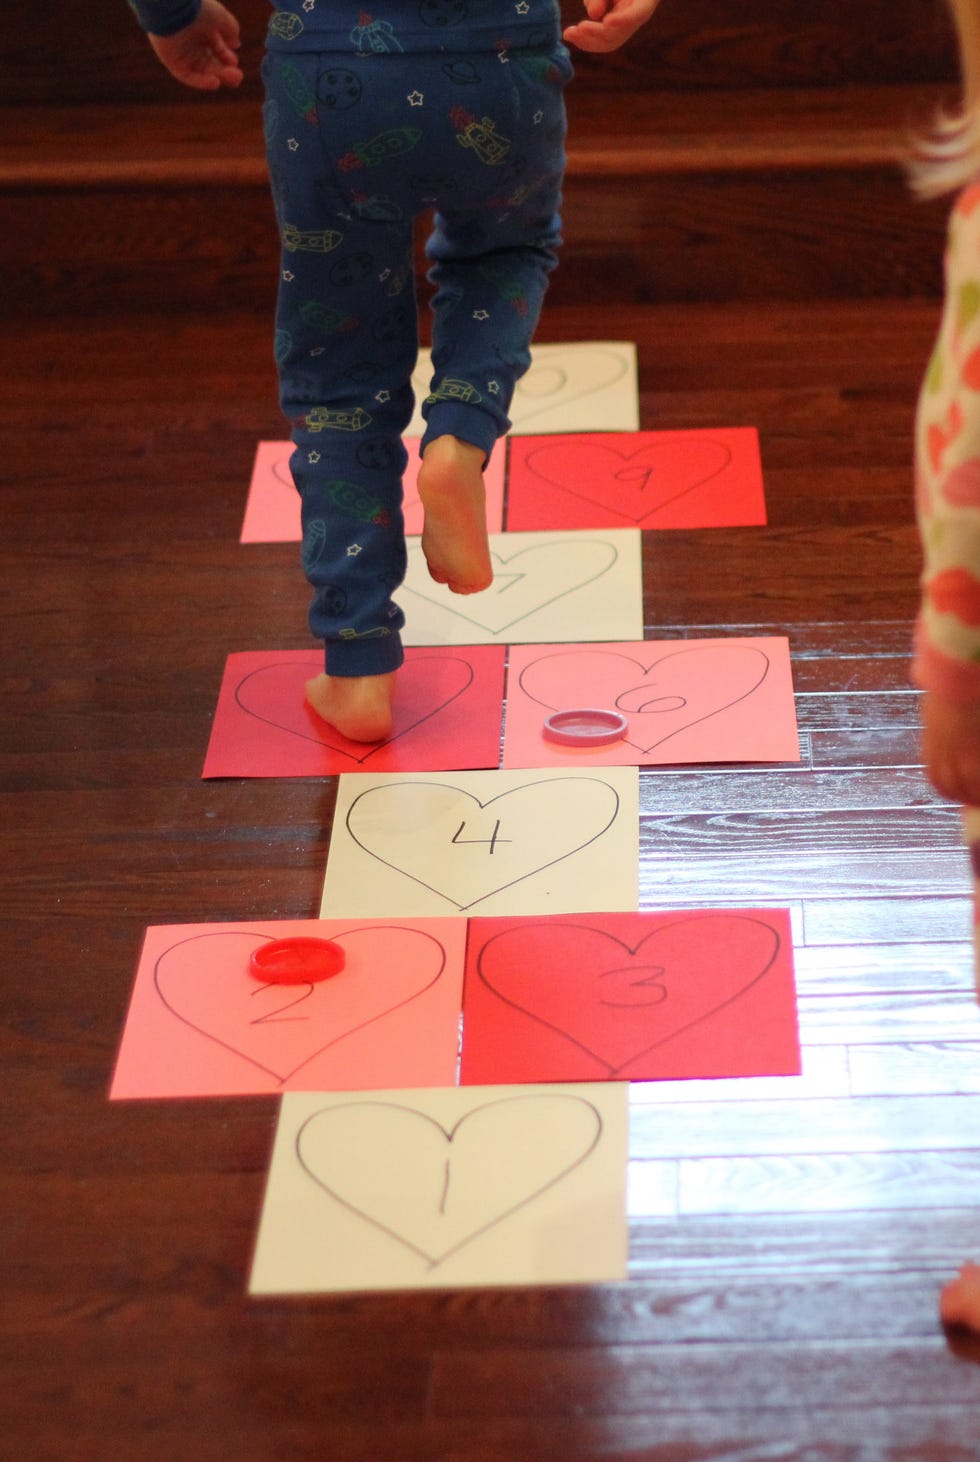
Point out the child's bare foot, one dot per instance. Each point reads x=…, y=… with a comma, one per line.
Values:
x=358, y=706
x=959, y=1302
x=454, y=536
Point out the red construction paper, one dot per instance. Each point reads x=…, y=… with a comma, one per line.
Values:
x=447, y=711
x=704, y=478
x=630, y=997
x=200, y=1024
x=272, y=507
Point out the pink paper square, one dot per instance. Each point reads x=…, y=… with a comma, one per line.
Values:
x=200, y=1024
x=272, y=507
x=685, y=701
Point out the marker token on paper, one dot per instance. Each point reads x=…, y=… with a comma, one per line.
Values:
x=585, y=726
x=298, y=960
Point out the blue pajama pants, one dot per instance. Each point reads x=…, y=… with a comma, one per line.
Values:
x=359, y=146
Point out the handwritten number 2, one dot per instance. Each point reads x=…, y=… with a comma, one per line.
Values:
x=272, y=1016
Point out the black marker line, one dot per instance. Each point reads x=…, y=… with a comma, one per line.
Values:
x=631, y=520
x=328, y=746
x=611, y=1068
x=433, y=1261
x=537, y=608
x=646, y=670
x=623, y=369
x=483, y=805
x=335, y=1040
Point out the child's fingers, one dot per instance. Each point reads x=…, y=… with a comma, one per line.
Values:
x=592, y=35
x=224, y=48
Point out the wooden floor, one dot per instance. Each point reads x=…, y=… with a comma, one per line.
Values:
x=788, y=1237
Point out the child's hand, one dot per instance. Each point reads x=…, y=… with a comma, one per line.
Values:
x=951, y=747
x=203, y=54
x=610, y=23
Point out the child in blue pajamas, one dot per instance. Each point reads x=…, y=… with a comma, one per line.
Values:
x=372, y=118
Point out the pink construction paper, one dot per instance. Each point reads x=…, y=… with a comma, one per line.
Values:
x=272, y=507
x=447, y=709
x=704, y=478
x=698, y=700
x=635, y=997
x=200, y=1024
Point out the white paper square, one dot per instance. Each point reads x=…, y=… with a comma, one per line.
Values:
x=588, y=385
x=494, y=842
x=442, y=1188
x=573, y=586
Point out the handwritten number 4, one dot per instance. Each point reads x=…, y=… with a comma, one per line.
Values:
x=490, y=842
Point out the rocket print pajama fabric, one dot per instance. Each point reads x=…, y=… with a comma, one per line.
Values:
x=361, y=140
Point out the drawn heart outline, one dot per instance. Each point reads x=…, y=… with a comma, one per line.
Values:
x=506, y=582
x=602, y=688
x=372, y=1208
x=554, y=972
x=413, y=818
x=178, y=981
x=547, y=379
x=271, y=692
x=635, y=483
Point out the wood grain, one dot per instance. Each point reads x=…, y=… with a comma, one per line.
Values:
x=743, y=218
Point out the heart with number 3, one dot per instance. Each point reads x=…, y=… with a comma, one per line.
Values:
x=614, y=999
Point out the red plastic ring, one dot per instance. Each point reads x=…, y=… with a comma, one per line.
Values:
x=296, y=960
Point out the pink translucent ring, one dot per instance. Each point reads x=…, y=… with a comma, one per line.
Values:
x=296, y=960
x=585, y=726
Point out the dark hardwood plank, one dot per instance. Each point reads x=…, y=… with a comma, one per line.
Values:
x=100, y=56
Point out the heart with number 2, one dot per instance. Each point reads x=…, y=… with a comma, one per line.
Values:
x=205, y=982
x=570, y=997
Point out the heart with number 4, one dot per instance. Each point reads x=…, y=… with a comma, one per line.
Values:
x=463, y=849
